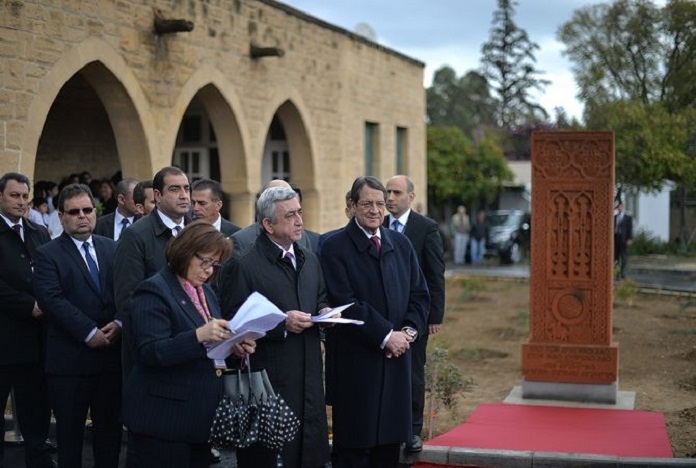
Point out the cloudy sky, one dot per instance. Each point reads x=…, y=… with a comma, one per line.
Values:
x=450, y=32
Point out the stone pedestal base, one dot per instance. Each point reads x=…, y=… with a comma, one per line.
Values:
x=583, y=393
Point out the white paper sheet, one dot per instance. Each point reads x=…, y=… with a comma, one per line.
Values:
x=330, y=316
x=253, y=319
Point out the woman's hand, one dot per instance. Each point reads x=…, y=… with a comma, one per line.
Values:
x=247, y=346
x=213, y=332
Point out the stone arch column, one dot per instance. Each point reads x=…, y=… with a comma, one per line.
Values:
x=121, y=95
x=223, y=106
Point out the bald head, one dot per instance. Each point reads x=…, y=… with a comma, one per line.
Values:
x=400, y=195
x=276, y=183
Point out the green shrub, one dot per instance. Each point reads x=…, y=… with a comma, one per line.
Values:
x=471, y=287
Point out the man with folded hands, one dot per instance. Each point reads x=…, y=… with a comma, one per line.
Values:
x=276, y=266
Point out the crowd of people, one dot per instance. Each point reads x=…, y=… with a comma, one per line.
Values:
x=111, y=317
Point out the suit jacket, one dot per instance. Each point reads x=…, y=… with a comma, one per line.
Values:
x=424, y=235
x=172, y=391
x=20, y=334
x=228, y=228
x=74, y=306
x=293, y=361
x=370, y=394
x=623, y=231
x=105, y=225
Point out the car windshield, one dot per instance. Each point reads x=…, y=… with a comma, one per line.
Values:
x=504, y=219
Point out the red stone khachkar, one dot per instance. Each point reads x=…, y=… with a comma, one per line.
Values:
x=571, y=269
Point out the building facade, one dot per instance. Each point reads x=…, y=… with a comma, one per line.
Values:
x=256, y=90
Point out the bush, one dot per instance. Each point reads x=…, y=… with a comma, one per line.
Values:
x=645, y=243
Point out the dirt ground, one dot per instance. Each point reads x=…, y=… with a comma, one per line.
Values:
x=487, y=321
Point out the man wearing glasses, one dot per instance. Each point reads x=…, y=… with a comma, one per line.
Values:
x=289, y=275
x=21, y=321
x=73, y=280
x=140, y=251
x=369, y=366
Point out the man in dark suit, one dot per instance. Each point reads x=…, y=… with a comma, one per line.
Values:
x=73, y=281
x=290, y=277
x=425, y=237
x=623, y=237
x=140, y=252
x=369, y=366
x=114, y=224
x=21, y=321
x=206, y=203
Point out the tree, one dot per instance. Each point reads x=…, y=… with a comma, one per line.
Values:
x=461, y=172
x=464, y=102
x=509, y=65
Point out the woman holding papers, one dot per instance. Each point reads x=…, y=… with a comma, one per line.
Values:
x=173, y=390
x=290, y=277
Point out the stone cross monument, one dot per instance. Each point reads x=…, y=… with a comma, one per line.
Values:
x=570, y=354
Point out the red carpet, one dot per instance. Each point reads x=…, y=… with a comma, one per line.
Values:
x=622, y=433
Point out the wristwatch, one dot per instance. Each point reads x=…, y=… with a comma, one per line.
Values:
x=411, y=333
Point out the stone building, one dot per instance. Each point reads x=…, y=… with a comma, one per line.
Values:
x=257, y=90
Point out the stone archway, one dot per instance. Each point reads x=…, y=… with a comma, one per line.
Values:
x=120, y=94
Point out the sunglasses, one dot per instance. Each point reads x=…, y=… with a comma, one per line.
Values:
x=76, y=211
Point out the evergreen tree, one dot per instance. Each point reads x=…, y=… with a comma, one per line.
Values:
x=509, y=65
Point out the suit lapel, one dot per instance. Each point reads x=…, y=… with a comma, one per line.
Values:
x=99, y=249
x=183, y=300
x=71, y=250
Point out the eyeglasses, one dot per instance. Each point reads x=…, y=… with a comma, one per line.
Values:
x=76, y=211
x=366, y=205
x=208, y=262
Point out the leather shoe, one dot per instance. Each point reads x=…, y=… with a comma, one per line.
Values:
x=49, y=447
x=215, y=456
x=415, y=446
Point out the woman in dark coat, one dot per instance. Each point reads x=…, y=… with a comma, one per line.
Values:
x=173, y=390
x=290, y=353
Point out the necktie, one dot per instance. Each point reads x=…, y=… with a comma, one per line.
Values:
x=18, y=229
x=176, y=231
x=92, y=265
x=396, y=225
x=288, y=258
x=124, y=224
x=375, y=240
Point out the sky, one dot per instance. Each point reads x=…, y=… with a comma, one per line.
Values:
x=451, y=32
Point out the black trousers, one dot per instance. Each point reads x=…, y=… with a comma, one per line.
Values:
x=153, y=452
x=381, y=456
x=33, y=409
x=620, y=255
x=72, y=396
x=418, y=357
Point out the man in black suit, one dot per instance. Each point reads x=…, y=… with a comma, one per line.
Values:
x=206, y=203
x=73, y=281
x=623, y=237
x=140, y=252
x=114, y=224
x=21, y=321
x=426, y=240
x=369, y=366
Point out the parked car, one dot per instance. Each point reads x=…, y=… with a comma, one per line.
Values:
x=508, y=234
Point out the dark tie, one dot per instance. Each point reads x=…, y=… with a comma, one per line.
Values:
x=375, y=240
x=396, y=225
x=177, y=230
x=287, y=258
x=124, y=224
x=18, y=229
x=92, y=265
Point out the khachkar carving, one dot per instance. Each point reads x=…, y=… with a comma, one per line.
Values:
x=572, y=263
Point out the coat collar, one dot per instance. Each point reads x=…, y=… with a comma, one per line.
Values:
x=69, y=246
x=363, y=243
x=272, y=252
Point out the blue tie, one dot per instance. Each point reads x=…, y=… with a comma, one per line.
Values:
x=396, y=225
x=176, y=231
x=92, y=265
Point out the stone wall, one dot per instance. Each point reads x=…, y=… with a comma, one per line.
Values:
x=326, y=86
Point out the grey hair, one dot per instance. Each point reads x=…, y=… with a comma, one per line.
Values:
x=265, y=205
